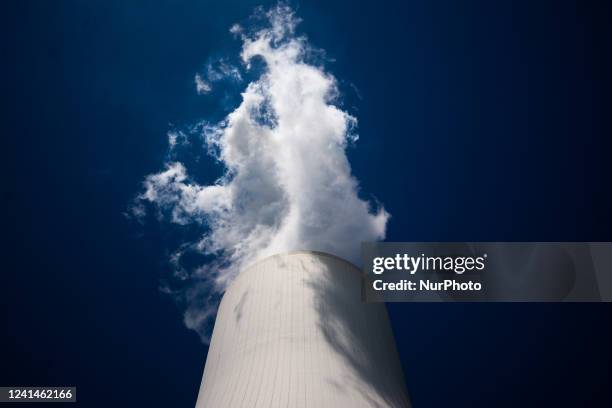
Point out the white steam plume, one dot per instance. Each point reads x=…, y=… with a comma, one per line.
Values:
x=288, y=183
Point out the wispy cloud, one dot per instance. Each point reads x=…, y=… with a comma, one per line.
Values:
x=176, y=138
x=202, y=86
x=215, y=71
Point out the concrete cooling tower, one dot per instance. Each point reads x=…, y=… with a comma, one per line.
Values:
x=292, y=331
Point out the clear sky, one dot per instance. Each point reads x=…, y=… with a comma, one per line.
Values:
x=478, y=120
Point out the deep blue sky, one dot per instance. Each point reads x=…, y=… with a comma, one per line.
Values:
x=479, y=120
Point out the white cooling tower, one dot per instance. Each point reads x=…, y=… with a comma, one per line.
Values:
x=292, y=331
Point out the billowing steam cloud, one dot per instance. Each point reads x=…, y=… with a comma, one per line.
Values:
x=287, y=184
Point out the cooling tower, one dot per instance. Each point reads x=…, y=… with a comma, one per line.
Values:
x=292, y=331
